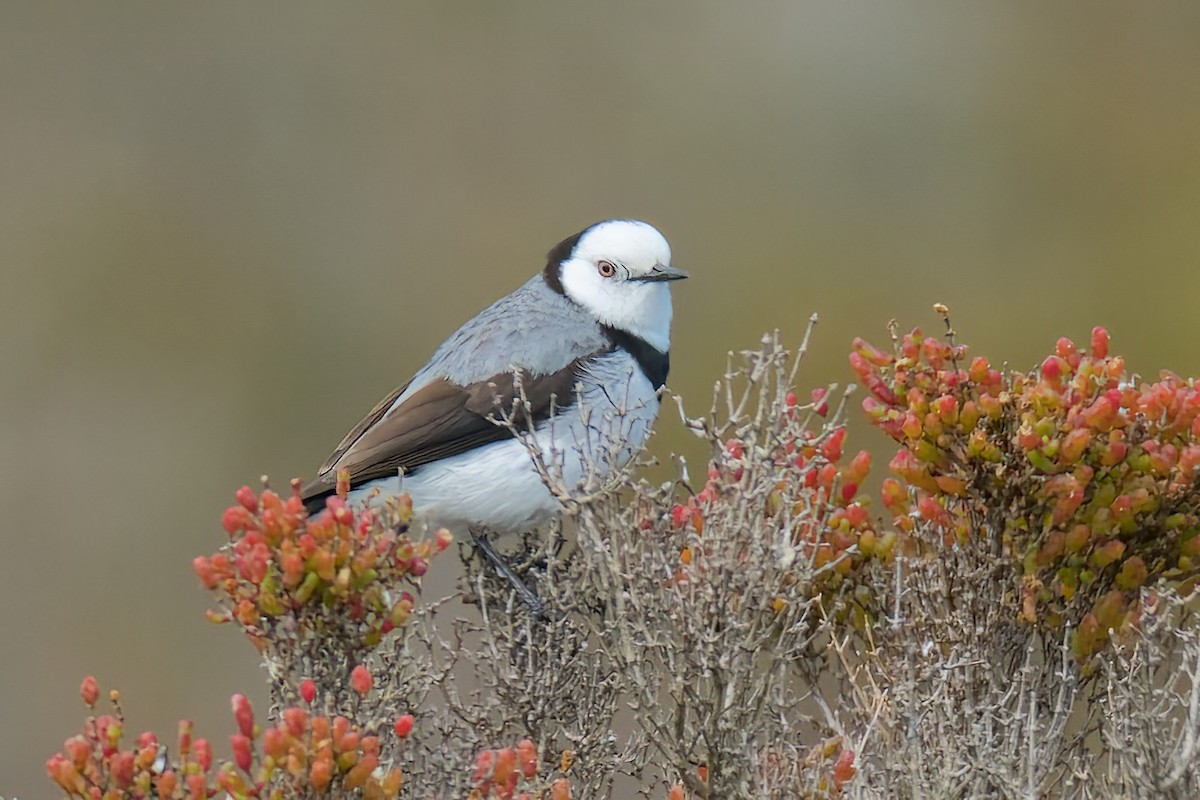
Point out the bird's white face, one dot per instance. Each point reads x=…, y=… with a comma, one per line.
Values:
x=620, y=271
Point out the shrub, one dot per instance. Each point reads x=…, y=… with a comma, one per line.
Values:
x=1019, y=625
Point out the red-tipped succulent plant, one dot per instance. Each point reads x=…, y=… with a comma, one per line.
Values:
x=297, y=756
x=1080, y=473
x=512, y=773
x=338, y=572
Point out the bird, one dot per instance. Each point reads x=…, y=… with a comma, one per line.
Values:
x=585, y=343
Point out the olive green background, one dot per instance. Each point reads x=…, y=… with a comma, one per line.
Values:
x=227, y=229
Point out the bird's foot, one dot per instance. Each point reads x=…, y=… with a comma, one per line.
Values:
x=505, y=570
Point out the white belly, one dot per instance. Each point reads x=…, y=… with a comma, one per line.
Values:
x=497, y=486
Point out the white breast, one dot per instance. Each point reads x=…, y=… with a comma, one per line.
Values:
x=497, y=487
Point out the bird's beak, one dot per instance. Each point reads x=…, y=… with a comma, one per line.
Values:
x=663, y=273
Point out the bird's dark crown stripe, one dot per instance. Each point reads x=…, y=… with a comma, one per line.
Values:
x=654, y=363
x=552, y=274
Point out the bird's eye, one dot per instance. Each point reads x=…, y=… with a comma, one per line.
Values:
x=606, y=269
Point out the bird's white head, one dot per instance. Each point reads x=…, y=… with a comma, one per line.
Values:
x=620, y=271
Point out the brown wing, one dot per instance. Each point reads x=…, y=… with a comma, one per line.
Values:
x=366, y=422
x=439, y=420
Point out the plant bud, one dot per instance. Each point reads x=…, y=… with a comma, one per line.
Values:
x=860, y=365
x=484, y=762
x=1074, y=445
x=1078, y=537
x=243, y=714
x=202, y=753
x=912, y=426
x=166, y=784
x=1107, y=553
x=1133, y=573
x=320, y=775
x=247, y=499
x=204, y=570
x=274, y=743
x=819, y=401
x=89, y=690
x=243, y=755
x=831, y=448
x=78, y=751
x=527, y=758
x=361, y=680
x=296, y=720
x=121, y=768
x=324, y=562
x=390, y=784
x=946, y=408
x=506, y=765
x=403, y=725
x=235, y=519
x=443, y=539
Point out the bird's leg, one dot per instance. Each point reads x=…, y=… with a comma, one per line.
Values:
x=502, y=568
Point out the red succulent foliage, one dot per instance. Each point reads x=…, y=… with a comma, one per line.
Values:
x=1077, y=477
x=335, y=573
x=298, y=754
x=403, y=725
x=361, y=680
x=511, y=773
x=89, y=690
x=1079, y=472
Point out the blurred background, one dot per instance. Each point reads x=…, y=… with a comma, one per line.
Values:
x=227, y=230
